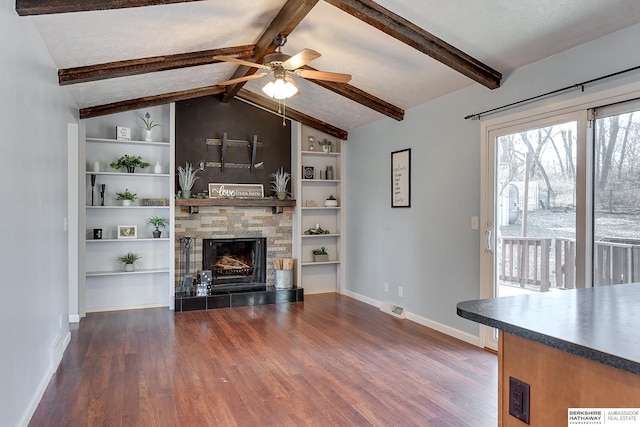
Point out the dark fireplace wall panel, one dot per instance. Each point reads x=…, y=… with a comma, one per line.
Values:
x=207, y=118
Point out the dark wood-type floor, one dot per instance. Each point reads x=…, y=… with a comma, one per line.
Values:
x=328, y=361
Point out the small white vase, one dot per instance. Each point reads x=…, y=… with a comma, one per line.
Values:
x=126, y=203
x=147, y=134
x=157, y=168
x=128, y=267
x=330, y=203
x=326, y=148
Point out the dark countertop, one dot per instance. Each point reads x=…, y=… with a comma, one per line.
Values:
x=600, y=324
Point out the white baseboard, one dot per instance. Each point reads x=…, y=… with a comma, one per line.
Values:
x=362, y=298
x=57, y=351
x=129, y=307
x=432, y=324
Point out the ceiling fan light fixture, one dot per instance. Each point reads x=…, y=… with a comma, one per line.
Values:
x=280, y=89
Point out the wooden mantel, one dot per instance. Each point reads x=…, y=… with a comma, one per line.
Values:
x=194, y=204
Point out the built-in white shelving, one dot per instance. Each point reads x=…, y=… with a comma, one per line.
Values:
x=107, y=285
x=311, y=193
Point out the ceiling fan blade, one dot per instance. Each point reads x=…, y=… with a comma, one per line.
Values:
x=324, y=75
x=241, y=79
x=238, y=61
x=301, y=58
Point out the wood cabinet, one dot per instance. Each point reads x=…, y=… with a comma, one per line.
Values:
x=312, y=187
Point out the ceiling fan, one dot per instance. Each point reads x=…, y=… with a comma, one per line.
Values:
x=281, y=65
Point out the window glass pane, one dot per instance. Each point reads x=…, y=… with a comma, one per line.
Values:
x=535, y=209
x=616, y=184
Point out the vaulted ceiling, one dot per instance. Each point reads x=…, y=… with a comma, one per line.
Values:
x=116, y=55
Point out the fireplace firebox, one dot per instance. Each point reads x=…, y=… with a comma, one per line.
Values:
x=236, y=263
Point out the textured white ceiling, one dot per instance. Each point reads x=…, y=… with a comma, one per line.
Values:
x=504, y=34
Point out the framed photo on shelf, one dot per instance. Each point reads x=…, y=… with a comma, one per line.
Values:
x=401, y=178
x=308, y=172
x=127, y=232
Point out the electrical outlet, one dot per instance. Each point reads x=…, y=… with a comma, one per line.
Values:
x=386, y=286
x=400, y=291
x=519, y=399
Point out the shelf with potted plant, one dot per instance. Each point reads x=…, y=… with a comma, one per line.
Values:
x=129, y=175
x=126, y=142
x=122, y=272
x=139, y=239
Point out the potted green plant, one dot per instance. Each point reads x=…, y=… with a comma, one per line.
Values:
x=129, y=162
x=126, y=197
x=158, y=223
x=331, y=202
x=279, y=181
x=148, y=126
x=129, y=260
x=320, y=255
x=326, y=145
x=186, y=178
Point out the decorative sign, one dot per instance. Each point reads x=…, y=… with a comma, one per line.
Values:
x=220, y=191
x=401, y=179
x=123, y=134
x=154, y=202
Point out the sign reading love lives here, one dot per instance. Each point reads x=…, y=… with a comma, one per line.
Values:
x=218, y=191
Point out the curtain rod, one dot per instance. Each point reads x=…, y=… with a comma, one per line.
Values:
x=477, y=116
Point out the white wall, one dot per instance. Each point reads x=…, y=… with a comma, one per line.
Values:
x=34, y=113
x=430, y=249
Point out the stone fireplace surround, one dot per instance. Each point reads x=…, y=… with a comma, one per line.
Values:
x=235, y=222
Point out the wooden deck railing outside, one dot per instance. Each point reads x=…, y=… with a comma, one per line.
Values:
x=525, y=260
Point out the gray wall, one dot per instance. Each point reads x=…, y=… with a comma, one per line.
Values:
x=34, y=114
x=430, y=249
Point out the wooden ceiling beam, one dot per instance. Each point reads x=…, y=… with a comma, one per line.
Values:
x=44, y=7
x=148, y=101
x=396, y=26
x=130, y=67
x=283, y=24
x=361, y=97
x=271, y=105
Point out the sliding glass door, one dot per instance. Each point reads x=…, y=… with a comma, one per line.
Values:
x=616, y=195
x=534, y=207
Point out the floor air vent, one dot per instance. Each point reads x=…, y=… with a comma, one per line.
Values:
x=394, y=310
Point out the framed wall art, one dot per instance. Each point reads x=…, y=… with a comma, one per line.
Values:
x=401, y=178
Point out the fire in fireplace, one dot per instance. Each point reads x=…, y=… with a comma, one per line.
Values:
x=236, y=263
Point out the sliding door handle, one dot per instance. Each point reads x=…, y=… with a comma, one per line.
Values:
x=488, y=247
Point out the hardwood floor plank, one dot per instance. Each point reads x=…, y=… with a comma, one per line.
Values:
x=327, y=361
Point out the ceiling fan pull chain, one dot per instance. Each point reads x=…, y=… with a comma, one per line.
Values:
x=284, y=112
